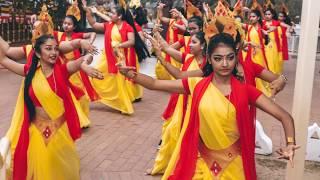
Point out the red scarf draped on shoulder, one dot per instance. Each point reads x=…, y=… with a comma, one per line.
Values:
x=111, y=58
x=168, y=112
x=285, y=54
x=276, y=32
x=261, y=45
x=93, y=95
x=20, y=155
x=186, y=164
x=175, y=33
x=130, y=52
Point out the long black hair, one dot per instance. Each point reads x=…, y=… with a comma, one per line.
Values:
x=140, y=15
x=201, y=36
x=214, y=43
x=139, y=45
x=31, y=72
x=259, y=15
x=76, y=25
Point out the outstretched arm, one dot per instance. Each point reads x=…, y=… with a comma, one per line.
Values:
x=96, y=26
x=173, y=86
x=8, y=63
x=268, y=106
x=68, y=46
x=83, y=63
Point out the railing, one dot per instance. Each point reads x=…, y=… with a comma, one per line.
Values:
x=15, y=29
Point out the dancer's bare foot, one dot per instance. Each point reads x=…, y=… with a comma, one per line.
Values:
x=148, y=172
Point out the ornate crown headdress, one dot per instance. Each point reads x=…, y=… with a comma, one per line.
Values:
x=222, y=22
x=268, y=4
x=192, y=10
x=45, y=26
x=256, y=6
x=283, y=8
x=237, y=8
x=74, y=10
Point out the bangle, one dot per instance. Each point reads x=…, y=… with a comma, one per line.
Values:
x=284, y=77
x=290, y=140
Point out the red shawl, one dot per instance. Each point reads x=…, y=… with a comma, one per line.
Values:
x=111, y=58
x=175, y=33
x=93, y=95
x=285, y=54
x=72, y=120
x=186, y=165
x=261, y=45
x=168, y=112
x=276, y=32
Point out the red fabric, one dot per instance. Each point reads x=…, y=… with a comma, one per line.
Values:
x=285, y=53
x=138, y=27
x=187, y=46
x=168, y=112
x=251, y=70
x=181, y=42
x=111, y=59
x=175, y=35
x=185, y=167
x=261, y=45
x=130, y=60
x=276, y=33
x=72, y=120
x=93, y=95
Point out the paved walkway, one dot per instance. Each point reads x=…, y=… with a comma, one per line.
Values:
x=122, y=147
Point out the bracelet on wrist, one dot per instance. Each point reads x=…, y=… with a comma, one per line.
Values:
x=290, y=141
x=284, y=77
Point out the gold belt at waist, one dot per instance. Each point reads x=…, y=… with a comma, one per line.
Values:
x=47, y=127
x=218, y=160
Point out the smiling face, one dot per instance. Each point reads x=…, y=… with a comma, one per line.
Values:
x=223, y=60
x=68, y=25
x=49, y=52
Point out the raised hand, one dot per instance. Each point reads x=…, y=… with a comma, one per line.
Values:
x=90, y=71
x=288, y=153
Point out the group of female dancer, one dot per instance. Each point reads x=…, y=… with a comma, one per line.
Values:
x=209, y=129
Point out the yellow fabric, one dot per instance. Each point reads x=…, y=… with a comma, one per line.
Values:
x=56, y=160
x=218, y=130
x=112, y=89
x=259, y=59
x=76, y=80
x=171, y=130
x=60, y=155
x=274, y=58
x=160, y=71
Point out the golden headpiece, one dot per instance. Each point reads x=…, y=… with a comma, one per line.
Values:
x=134, y=4
x=222, y=9
x=268, y=4
x=45, y=26
x=123, y=4
x=256, y=6
x=220, y=24
x=237, y=9
x=192, y=10
x=283, y=8
x=74, y=10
